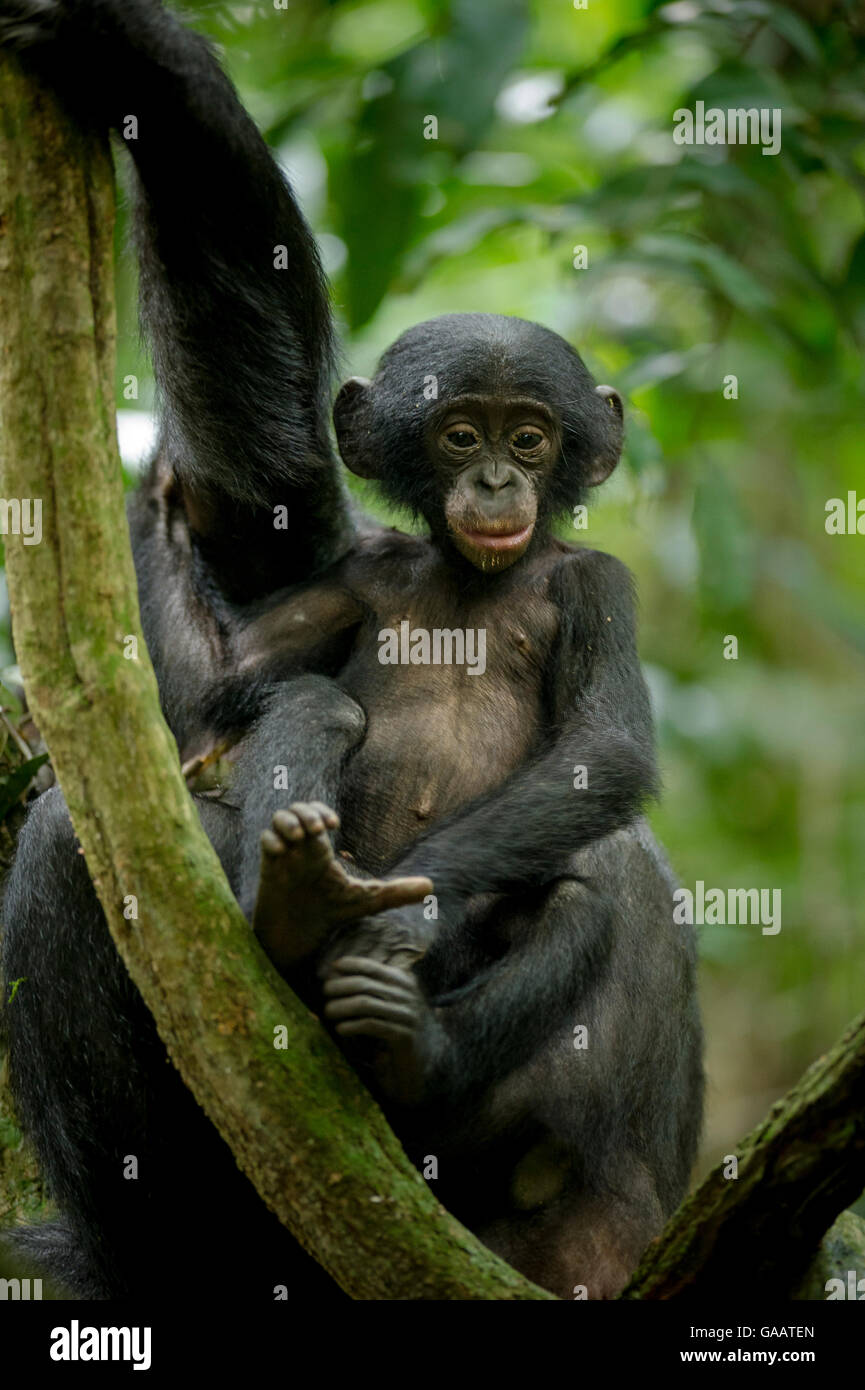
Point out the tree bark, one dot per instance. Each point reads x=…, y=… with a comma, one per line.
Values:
x=298, y=1120
x=796, y=1171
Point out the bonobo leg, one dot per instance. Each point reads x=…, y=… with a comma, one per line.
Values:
x=296, y=890
x=151, y=1196
x=532, y=1051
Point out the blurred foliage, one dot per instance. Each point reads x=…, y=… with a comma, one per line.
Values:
x=555, y=131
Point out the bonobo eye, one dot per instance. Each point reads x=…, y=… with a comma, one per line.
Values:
x=462, y=437
x=526, y=440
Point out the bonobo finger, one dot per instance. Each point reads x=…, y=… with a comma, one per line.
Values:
x=340, y=986
x=272, y=843
x=287, y=824
x=398, y=892
x=366, y=1006
x=374, y=1028
x=309, y=815
x=365, y=965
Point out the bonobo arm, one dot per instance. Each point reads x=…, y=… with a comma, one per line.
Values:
x=242, y=349
x=524, y=832
x=450, y=1047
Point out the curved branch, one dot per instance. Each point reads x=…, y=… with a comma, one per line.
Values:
x=796, y=1171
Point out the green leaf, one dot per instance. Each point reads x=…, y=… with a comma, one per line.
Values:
x=797, y=32
x=385, y=176
x=719, y=269
x=726, y=558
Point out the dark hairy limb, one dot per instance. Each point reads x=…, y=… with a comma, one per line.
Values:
x=367, y=999
x=298, y=893
x=296, y=752
x=306, y=893
x=242, y=349
x=94, y=1087
x=448, y=1047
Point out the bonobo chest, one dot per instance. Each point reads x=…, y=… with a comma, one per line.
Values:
x=453, y=671
x=452, y=679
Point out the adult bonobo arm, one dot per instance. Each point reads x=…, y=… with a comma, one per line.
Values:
x=448, y=1046
x=233, y=296
x=524, y=832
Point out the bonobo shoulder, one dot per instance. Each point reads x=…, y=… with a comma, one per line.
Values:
x=592, y=577
x=382, y=553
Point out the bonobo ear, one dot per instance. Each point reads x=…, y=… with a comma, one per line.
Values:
x=605, y=460
x=352, y=427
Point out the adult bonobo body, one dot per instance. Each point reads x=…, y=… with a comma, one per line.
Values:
x=508, y=789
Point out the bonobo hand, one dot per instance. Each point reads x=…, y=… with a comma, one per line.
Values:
x=398, y=937
x=367, y=999
x=307, y=896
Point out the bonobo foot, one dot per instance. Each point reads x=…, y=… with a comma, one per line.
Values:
x=305, y=892
x=366, y=999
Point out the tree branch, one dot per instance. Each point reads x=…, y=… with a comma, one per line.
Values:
x=796, y=1171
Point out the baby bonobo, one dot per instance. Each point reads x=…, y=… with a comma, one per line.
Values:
x=512, y=430
x=443, y=742
x=514, y=897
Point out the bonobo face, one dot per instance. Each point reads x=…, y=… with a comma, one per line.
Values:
x=492, y=457
x=488, y=427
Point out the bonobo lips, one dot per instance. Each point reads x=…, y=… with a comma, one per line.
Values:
x=498, y=540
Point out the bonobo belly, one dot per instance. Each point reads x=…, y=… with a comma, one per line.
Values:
x=431, y=745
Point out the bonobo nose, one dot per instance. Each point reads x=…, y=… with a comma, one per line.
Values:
x=494, y=482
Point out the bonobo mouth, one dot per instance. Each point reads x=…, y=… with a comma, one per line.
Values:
x=492, y=547
x=490, y=539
